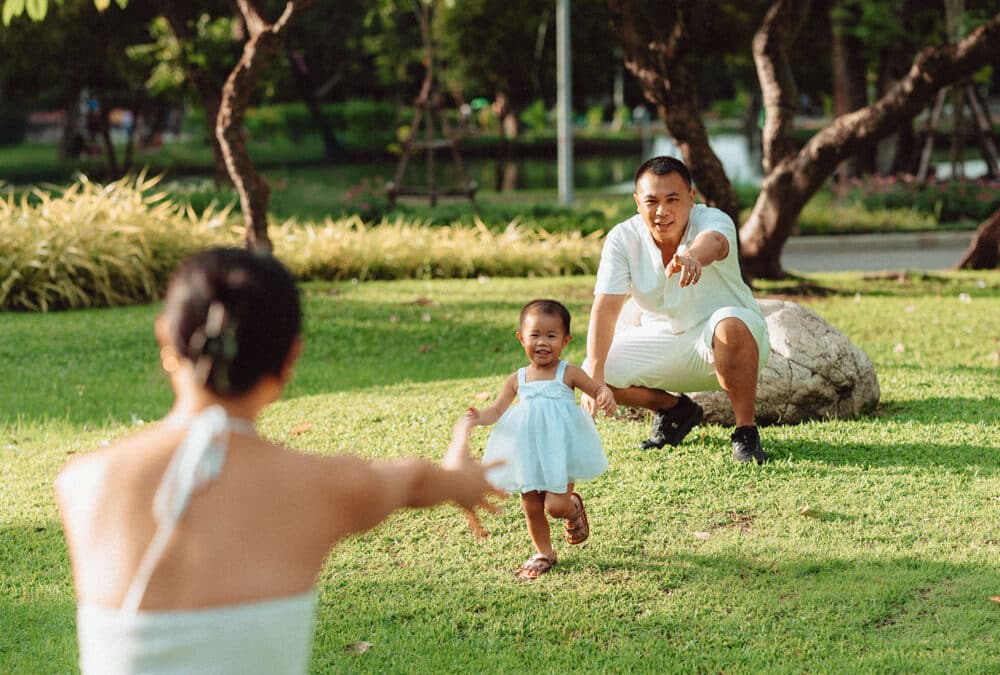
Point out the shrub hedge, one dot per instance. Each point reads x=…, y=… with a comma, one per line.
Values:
x=116, y=244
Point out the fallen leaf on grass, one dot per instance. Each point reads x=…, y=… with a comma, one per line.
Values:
x=995, y=598
x=358, y=647
x=423, y=301
x=423, y=349
x=703, y=535
x=302, y=428
x=806, y=511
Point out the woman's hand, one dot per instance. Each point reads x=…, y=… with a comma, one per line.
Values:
x=474, y=491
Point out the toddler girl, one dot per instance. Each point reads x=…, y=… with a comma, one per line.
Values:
x=547, y=442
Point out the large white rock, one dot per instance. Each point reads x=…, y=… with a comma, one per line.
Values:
x=814, y=372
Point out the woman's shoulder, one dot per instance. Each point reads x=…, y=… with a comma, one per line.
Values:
x=87, y=471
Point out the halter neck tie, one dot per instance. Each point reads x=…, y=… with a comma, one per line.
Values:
x=196, y=462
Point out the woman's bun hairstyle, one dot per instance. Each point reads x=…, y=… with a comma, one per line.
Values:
x=234, y=314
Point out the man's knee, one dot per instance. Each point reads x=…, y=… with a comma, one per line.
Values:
x=731, y=332
x=734, y=346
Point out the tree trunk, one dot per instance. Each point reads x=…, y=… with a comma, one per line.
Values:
x=208, y=90
x=849, y=81
x=262, y=43
x=793, y=179
x=984, y=250
x=659, y=59
x=109, y=146
x=333, y=151
x=777, y=84
x=71, y=144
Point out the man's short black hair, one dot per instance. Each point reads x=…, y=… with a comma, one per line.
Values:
x=661, y=166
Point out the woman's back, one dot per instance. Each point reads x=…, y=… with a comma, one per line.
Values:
x=260, y=530
x=194, y=543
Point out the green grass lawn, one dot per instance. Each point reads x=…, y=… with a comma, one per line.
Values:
x=695, y=563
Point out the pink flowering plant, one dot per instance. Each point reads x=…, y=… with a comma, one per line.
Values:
x=949, y=200
x=367, y=200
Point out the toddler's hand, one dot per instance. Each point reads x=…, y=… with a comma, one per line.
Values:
x=606, y=399
x=473, y=415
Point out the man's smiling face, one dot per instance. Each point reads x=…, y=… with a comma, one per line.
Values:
x=664, y=202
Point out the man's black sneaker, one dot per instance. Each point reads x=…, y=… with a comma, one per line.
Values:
x=671, y=425
x=746, y=445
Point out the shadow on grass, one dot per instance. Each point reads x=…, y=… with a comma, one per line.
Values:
x=37, y=607
x=929, y=454
x=943, y=409
x=697, y=611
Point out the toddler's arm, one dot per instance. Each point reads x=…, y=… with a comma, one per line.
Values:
x=490, y=414
x=578, y=378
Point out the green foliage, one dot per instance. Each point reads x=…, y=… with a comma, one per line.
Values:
x=695, y=564
x=731, y=109
x=823, y=215
x=212, y=49
x=535, y=117
x=365, y=122
x=36, y=10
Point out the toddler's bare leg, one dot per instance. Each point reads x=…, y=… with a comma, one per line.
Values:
x=559, y=504
x=533, y=504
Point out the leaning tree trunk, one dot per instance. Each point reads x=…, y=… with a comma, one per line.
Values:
x=984, y=250
x=262, y=43
x=659, y=59
x=792, y=179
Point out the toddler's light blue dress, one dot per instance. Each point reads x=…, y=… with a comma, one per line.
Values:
x=546, y=440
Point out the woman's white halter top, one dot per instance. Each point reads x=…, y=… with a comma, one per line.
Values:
x=266, y=636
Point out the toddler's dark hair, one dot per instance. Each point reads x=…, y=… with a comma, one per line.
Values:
x=546, y=306
x=234, y=314
x=663, y=165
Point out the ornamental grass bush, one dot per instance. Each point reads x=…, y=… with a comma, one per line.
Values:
x=400, y=249
x=117, y=244
x=97, y=245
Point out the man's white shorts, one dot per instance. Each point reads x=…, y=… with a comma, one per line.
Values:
x=645, y=354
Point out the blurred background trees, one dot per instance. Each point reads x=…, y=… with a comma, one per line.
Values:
x=121, y=77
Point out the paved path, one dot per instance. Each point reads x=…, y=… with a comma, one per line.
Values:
x=924, y=251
